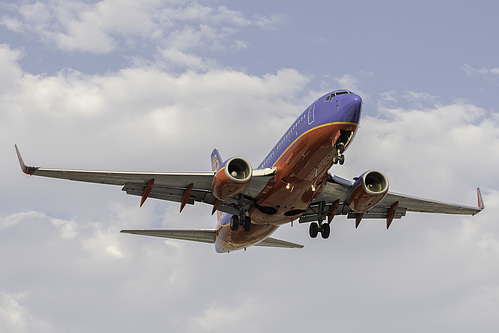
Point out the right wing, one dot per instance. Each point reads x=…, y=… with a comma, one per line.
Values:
x=186, y=187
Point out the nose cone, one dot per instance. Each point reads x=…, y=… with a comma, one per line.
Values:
x=352, y=108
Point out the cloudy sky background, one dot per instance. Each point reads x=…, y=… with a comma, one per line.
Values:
x=156, y=85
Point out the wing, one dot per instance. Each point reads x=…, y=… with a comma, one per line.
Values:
x=394, y=205
x=186, y=187
x=204, y=236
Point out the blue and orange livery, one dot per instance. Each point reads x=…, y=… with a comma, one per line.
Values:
x=292, y=183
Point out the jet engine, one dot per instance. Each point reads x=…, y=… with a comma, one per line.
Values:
x=231, y=178
x=367, y=191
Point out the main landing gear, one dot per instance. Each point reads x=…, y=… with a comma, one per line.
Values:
x=236, y=221
x=242, y=219
x=323, y=228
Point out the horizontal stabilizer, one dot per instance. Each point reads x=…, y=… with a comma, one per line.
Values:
x=195, y=235
x=272, y=242
x=204, y=236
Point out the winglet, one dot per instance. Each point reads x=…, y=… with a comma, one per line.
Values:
x=29, y=170
x=480, y=200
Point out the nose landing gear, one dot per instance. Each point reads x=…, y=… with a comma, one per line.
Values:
x=339, y=157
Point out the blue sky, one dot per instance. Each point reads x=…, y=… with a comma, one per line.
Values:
x=156, y=85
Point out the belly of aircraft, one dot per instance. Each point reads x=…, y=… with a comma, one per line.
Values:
x=301, y=175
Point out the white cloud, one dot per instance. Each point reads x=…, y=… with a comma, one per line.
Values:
x=272, y=22
x=470, y=70
x=14, y=219
x=421, y=145
x=388, y=96
x=15, y=317
x=104, y=243
x=102, y=27
x=353, y=83
x=348, y=81
x=223, y=318
x=68, y=228
x=137, y=106
x=420, y=98
x=10, y=71
x=184, y=60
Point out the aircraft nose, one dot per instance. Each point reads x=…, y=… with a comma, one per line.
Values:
x=352, y=108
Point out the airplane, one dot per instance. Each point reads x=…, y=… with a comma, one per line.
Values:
x=292, y=183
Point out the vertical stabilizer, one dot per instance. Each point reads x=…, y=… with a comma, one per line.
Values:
x=216, y=160
x=216, y=163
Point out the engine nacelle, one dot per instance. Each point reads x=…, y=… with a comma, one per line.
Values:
x=232, y=178
x=367, y=191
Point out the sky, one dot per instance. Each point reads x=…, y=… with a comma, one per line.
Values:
x=155, y=85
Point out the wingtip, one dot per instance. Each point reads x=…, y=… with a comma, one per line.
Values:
x=26, y=169
x=481, y=205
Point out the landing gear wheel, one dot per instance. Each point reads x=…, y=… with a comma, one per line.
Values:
x=234, y=222
x=314, y=230
x=247, y=224
x=341, y=159
x=325, y=230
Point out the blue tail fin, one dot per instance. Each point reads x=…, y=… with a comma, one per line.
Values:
x=216, y=163
x=216, y=160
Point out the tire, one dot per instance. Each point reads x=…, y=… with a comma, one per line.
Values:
x=325, y=230
x=234, y=222
x=314, y=230
x=247, y=224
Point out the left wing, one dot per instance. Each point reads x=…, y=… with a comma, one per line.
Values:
x=394, y=205
x=186, y=187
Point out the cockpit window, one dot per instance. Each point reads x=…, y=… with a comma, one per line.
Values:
x=336, y=93
x=342, y=92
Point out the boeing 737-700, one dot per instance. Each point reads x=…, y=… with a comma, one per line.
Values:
x=292, y=183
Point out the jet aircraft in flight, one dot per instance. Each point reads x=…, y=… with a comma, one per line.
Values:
x=292, y=183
